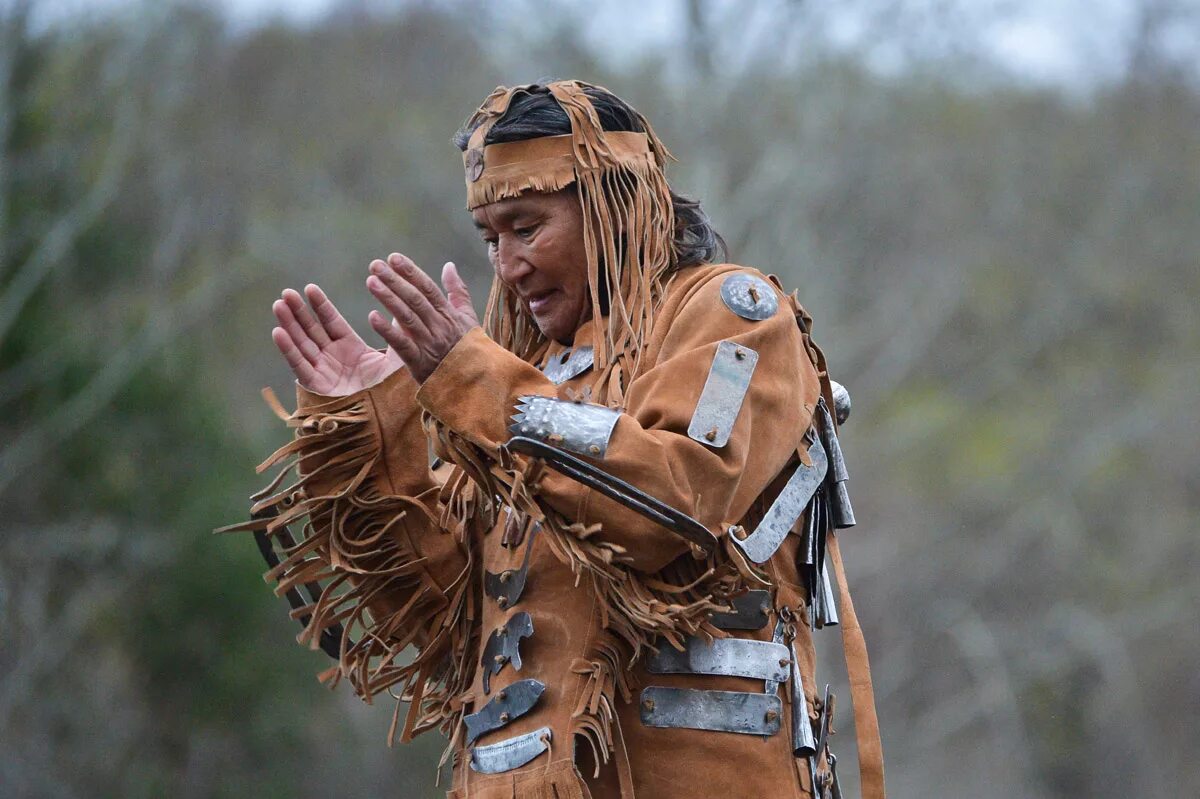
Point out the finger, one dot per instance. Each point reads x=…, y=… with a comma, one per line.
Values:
x=295, y=359
x=400, y=343
x=306, y=318
x=287, y=320
x=399, y=297
x=430, y=291
x=327, y=313
x=458, y=294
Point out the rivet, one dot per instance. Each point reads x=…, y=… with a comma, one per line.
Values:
x=502, y=602
x=593, y=449
x=753, y=294
x=711, y=435
x=499, y=659
x=740, y=354
x=784, y=662
x=772, y=715
x=505, y=576
x=504, y=717
x=502, y=695
x=648, y=704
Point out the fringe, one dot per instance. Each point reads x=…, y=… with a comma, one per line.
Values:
x=357, y=540
x=559, y=780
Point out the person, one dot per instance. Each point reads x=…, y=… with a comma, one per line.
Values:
x=608, y=576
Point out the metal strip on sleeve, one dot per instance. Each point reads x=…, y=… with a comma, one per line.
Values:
x=760, y=545
x=719, y=711
x=575, y=426
x=729, y=657
x=723, y=393
x=510, y=753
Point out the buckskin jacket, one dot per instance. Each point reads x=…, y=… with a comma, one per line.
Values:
x=524, y=638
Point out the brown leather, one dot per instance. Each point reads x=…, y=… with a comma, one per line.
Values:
x=577, y=648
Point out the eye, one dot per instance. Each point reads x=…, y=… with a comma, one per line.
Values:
x=525, y=233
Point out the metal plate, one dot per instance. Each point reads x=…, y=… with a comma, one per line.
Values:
x=729, y=657
x=749, y=612
x=760, y=545
x=750, y=297
x=569, y=364
x=841, y=401
x=840, y=510
x=827, y=617
x=719, y=711
x=509, y=703
x=511, y=753
x=723, y=393
x=504, y=646
x=803, y=743
x=575, y=426
x=507, y=586
x=771, y=686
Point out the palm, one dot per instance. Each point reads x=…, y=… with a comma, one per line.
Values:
x=323, y=351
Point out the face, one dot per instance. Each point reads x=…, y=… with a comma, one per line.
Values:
x=535, y=244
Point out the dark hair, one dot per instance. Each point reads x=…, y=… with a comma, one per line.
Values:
x=536, y=113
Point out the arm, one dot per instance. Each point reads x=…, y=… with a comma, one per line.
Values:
x=477, y=385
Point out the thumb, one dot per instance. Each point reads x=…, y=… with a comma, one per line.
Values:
x=457, y=293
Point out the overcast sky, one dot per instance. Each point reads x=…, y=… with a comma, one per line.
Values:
x=1042, y=40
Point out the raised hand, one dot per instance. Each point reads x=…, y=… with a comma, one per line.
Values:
x=425, y=324
x=321, y=348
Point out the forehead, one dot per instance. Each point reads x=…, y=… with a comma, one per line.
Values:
x=527, y=204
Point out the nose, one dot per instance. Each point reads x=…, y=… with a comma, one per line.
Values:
x=509, y=260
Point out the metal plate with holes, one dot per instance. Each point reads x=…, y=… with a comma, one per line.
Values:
x=509, y=703
x=504, y=646
x=569, y=364
x=723, y=393
x=719, y=711
x=511, y=753
x=760, y=545
x=729, y=657
x=575, y=426
x=749, y=612
x=749, y=297
x=507, y=586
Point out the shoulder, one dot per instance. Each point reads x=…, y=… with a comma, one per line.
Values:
x=724, y=299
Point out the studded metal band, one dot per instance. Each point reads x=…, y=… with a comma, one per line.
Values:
x=730, y=657
x=574, y=426
x=510, y=753
x=749, y=297
x=723, y=394
x=760, y=545
x=719, y=711
x=508, y=704
x=569, y=364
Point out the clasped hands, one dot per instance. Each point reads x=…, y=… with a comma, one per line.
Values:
x=329, y=357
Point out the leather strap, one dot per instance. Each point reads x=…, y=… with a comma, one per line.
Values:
x=862, y=693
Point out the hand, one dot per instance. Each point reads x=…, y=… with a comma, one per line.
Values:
x=426, y=324
x=321, y=348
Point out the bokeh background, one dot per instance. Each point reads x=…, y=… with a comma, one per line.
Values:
x=991, y=208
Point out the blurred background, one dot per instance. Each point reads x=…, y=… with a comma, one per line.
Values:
x=991, y=208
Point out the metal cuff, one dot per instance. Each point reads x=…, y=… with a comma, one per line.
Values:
x=574, y=426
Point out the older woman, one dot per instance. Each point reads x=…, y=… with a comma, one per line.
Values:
x=610, y=572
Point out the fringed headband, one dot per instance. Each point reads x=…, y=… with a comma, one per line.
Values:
x=628, y=220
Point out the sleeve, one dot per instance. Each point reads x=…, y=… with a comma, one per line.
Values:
x=373, y=532
x=476, y=389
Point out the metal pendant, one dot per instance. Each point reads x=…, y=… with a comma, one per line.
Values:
x=504, y=646
x=749, y=612
x=575, y=426
x=760, y=545
x=509, y=703
x=719, y=711
x=569, y=364
x=729, y=657
x=803, y=743
x=749, y=297
x=723, y=393
x=507, y=586
x=511, y=753
x=841, y=512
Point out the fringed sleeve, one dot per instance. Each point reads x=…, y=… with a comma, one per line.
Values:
x=395, y=573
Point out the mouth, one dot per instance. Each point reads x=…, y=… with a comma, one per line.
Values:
x=540, y=301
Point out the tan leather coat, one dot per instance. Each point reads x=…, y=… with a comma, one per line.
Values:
x=379, y=522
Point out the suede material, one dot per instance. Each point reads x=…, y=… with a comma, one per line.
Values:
x=473, y=392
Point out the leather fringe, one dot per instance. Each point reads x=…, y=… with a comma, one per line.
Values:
x=357, y=541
